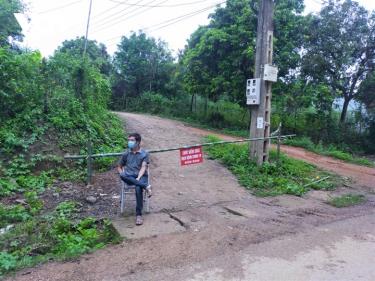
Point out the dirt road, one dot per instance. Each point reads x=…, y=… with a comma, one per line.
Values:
x=204, y=226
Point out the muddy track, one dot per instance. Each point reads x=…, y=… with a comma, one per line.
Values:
x=201, y=218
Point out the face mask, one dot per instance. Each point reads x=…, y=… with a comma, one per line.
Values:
x=131, y=144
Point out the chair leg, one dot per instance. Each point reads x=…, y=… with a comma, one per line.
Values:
x=147, y=203
x=122, y=200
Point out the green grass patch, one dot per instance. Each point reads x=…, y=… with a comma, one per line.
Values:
x=288, y=176
x=347, y=200
x=30, y=239
x=330, y=150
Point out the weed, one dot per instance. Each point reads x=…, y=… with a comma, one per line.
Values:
x=347, y=200
x=12, y=214
x=56, y=235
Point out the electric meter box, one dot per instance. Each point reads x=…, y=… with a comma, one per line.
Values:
x=253, y=91
x=270, y=73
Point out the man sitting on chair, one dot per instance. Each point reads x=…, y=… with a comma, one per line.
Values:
x=133, y=171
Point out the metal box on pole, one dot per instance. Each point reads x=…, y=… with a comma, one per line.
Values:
x=253, y=91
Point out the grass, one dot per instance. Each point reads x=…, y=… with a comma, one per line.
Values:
x=330, y=150
x=288, y=176
x=347, y=200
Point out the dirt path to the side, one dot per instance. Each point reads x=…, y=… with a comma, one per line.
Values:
x=362, y=176
x=204, y=226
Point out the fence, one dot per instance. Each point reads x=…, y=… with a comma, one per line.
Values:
x=91, y=156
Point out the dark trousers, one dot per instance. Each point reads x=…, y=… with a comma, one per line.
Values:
x=139, y=186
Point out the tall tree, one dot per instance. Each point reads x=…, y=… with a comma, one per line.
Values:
x=340, y=50
x=220, y=56
x=141, y=64
x=96, y=52
x=9, y=26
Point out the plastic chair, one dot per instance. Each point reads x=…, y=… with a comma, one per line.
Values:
x=127, y=189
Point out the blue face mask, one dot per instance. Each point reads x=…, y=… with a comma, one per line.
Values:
x=131, y=144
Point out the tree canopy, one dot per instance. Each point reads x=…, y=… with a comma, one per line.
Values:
x=9, y=26
x=340, y=49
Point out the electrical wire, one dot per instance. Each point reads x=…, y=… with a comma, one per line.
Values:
x=109, y=9
x=115, y=15
x=122, y=19
x=180, y=18
x=158, y=6
x=170, y=21
x=60, y=7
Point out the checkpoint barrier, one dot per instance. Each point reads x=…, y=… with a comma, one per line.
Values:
x=187, y=161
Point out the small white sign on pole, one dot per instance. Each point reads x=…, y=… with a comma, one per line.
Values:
x=270, y=73
x=260, y=123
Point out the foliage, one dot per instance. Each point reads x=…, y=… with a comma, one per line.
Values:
x=220, y=56
x=96, y=53
x=330, y=150
x=288, y=176
x=340, y=50
x=141, y=64
x=46, y=104
x=9, y=26
x=55, y=235
x=12, y=214
x=347, y=200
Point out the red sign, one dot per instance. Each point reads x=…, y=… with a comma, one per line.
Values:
x=191, y=155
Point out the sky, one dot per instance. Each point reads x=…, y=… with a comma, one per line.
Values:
x=53, y=21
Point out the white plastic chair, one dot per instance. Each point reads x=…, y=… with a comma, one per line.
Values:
x=127, y=189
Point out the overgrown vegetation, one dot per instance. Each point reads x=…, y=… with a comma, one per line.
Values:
x=29, y=236
x=49, y=107
x=329, y=150
x=287, y=176
x=347, y=200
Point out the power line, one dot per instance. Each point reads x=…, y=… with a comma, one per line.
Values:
x=109, y=18
x=97, y=15
x=170, y=21
x=60, y=7
x=121, y=18
x=158, y=6
x=180, y=18
x=119, y=3
x=109, y=9
x=147, y=5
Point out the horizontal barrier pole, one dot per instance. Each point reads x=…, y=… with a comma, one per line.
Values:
x=174, y=148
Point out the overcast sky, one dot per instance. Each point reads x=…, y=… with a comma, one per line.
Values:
x=53, y=21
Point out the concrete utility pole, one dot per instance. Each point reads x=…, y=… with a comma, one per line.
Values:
x=87, y=29
x=260, y=114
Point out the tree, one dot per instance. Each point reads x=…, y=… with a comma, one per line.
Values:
x=220, y=57
x=96, y=53
x=340, y=49
x=19, y=88
x=141, y=64
x=9, y=26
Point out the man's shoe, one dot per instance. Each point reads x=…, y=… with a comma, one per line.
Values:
x=148, y=190
x=139, y=220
